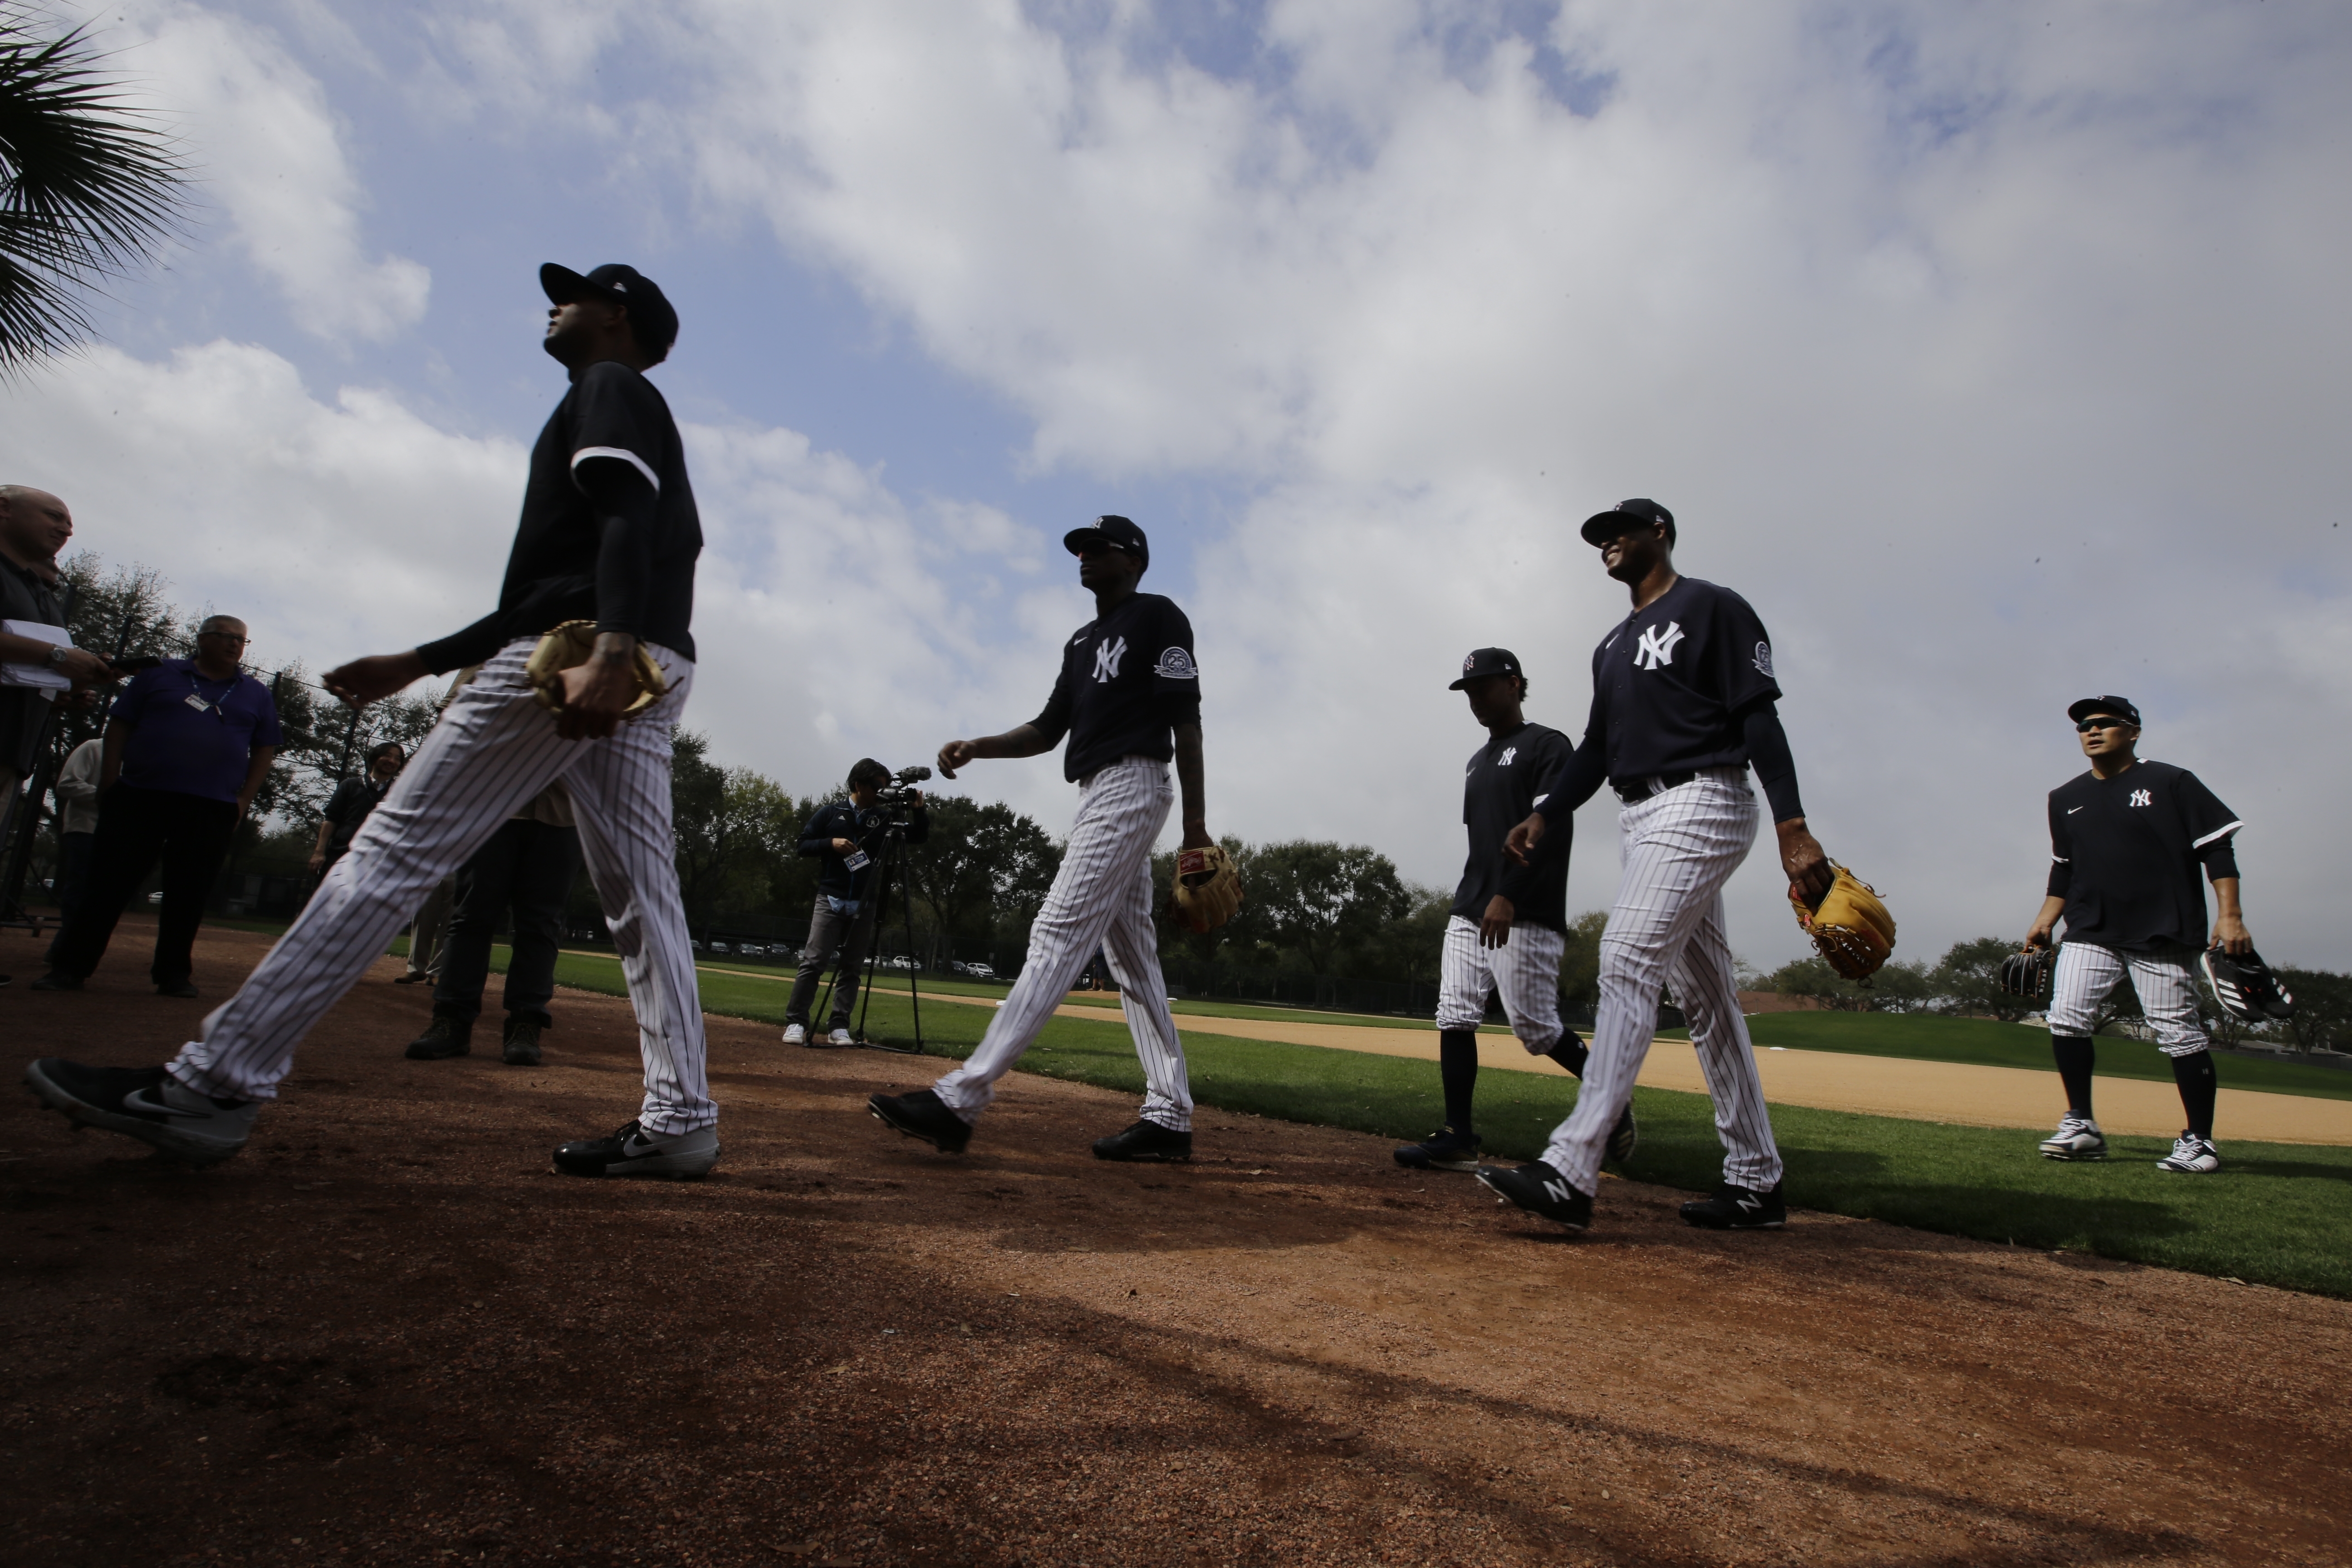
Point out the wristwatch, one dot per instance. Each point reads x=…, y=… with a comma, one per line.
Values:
x=57, y=652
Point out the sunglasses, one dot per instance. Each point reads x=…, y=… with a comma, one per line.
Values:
x=2101, y=721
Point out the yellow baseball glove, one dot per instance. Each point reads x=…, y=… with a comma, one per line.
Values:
x=567, y=647
x=1208, y=890
x=1851, y=928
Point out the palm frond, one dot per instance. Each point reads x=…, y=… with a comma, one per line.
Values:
x=88, y=190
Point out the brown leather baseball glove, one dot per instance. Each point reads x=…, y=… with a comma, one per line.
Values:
x=568, y=647
x=1851, y=928
x=1208, y=890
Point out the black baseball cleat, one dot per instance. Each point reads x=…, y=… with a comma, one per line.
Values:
x=1443, y=1150
x=145, y=1103
x=181, y=988
x=443, y=1037
x=634, y=1151
x=1734, y=1207
x=1623, y=1138
x=1541, y=1190
x=1144, y=1141
x=521, y=1048
x=922, y=1114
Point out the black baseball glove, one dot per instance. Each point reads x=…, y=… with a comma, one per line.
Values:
x=2245, y=987
x=2027, y=974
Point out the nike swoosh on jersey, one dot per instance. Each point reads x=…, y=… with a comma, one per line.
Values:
x=2073, y=809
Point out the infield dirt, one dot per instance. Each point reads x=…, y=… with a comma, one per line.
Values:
x=387, y=1334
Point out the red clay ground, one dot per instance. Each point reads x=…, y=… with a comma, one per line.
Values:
x=387, y=1334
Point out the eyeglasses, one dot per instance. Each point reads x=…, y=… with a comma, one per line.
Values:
x=2101, y=721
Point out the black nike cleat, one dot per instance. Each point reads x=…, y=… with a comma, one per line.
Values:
x=1541, y=1190
x=1623, y=1138
x=1734, y=1207
x=1145, y=1142
x=922, y=1114
x=145, y=1103
x=634, y=1151
x=1443, y=1150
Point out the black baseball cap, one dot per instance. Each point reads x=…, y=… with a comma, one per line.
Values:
x=1109, y=531
x=1488, y=661
x=2120, y=707
x=651, y=315
x=1603, y=526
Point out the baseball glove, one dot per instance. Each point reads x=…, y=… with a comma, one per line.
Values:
x=1850, y=926
x=1208, y=890
x=2245, y=987
x=567, y=647
x=2026, y=973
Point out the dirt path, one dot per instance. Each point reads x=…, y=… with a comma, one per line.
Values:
x=386, y=1333
x=1971, y=1094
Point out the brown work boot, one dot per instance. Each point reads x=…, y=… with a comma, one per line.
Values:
x=521, y=1041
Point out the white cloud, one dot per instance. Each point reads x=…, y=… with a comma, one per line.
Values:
x=268, y=150
x=826, y=625
x=1887, y=301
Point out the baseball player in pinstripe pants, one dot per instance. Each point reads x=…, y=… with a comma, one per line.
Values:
x=609, y=531
x=1129, y=696
x=1683, y=696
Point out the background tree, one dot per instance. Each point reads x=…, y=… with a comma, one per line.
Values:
x=1967, y=982
x=1319, y=898
x=2322, y=1010
x=982, y=863
x=88, y=191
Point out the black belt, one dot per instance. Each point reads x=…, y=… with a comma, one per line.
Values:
x=1657, y=783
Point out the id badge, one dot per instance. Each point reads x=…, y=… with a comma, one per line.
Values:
x=858, y=861
x=196, y=702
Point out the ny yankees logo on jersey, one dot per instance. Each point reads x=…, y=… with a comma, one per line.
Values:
x=1504, y=760
x=1658, y=647
x=2142, y=797
x=1106, y=658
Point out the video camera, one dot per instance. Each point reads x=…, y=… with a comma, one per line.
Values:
x=894, y=801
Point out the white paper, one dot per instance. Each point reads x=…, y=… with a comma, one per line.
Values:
x=41, y=675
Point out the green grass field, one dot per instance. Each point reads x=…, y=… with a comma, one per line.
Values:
x=2277, y=1213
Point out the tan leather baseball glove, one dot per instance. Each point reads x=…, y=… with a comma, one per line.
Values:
x=1851, y=926
x=1208, y=890
x=568, y=647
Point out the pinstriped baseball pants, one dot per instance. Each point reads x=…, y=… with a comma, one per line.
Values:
x=1678, y=848
x=2168, y=993
x=1101, y=896
x=1526, y=970
x=494, y=749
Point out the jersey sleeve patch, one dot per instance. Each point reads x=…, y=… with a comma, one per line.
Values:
x=1176, y=664
x=1764, y=659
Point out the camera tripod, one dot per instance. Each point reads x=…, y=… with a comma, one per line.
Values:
x=890, y=869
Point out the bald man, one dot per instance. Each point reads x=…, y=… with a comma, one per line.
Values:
x=34, y=526
x=187, y=745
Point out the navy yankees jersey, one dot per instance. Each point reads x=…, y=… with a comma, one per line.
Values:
x=2124, y=854
x=1671, y=684
x=1127, y=680
x=566, y=564
x=1506, y=780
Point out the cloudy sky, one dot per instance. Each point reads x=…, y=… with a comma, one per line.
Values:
x=1991, y=351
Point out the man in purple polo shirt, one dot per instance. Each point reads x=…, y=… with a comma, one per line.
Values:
x=187, y=744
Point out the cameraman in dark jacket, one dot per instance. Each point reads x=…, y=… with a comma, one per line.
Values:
x=845, y=836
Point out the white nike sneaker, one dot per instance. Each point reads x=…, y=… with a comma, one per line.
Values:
x=145, y=1103
x=840, y=1038
x=634, y=1151
x=796, y=1033
x=2191, y=1155
x=2077, y=1138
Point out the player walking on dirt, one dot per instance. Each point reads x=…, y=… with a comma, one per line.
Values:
x=1129, y=699
x=1510, y=926
x=1683, y=695
x=2126, y=841
x=609, y=532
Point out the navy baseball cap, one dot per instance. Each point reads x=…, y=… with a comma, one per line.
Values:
x=1488, y=661
x=2120, y=707
x=1109, y=531
x=651, y=315
x=1603, y=526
